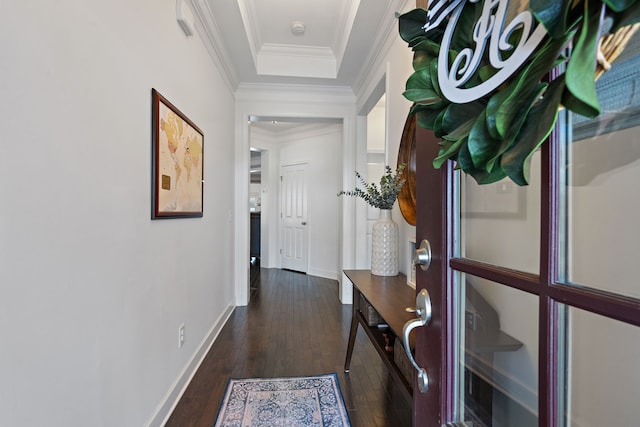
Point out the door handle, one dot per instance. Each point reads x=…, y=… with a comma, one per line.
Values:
x=422, y=255
x=304, y=222
x=423, y=311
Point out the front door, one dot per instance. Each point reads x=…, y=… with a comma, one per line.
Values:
x=536, y=302
x=295, y=235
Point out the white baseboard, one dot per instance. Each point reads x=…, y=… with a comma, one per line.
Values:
x=325, y=274
x=168, y=404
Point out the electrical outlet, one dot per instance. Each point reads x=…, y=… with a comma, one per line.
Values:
x=180, y=335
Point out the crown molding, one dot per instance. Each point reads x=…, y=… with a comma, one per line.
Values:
x=385, y=38
x=296, y=61
x=209, y=33
x=294, y=93
x=347, y=17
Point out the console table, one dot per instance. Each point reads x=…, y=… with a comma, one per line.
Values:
x=389, y=296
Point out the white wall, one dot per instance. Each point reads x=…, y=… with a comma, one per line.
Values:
x=93, y=291
x=320, y=147
x=388, y=76
x=269, y=190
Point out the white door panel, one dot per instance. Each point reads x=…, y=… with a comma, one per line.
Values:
x=295, y=234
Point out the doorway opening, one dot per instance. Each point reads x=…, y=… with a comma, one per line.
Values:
x=278, y=144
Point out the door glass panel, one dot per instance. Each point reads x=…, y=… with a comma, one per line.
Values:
x=603, y=199
x=603, y=371
x=499, y=367
x=500, y=222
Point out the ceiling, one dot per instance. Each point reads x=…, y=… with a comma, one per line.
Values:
x=299, y=42
x=324, y=43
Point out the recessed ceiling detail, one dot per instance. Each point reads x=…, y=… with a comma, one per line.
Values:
x=298, y=39
x=296, y=61
x=253, y=42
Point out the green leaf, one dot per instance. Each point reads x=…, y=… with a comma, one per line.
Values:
x=433, y=73
x=427, y=118
x=482, y=146
x=480, y=175
x=619, y=5
x=428, y=47
x=504, y=106
x=410, y=26
x=462, y=37
x=517, y=123
x=459, y=118
x=420, y=60
x=629, y=16
x=552, y=14
x=485, y=72
x=448, y=151
x=437, y=124
x=419, y=88
x=580, y=81
x=516, y=161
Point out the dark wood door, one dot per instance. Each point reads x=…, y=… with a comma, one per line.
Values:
x=433, y=348
x=578, y=304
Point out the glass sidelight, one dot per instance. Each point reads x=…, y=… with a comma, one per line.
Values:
x=498, y=374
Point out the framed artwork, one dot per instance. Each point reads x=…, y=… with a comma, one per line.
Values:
x=177, y=147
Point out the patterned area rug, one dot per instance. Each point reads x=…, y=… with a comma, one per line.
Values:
x=286, y=402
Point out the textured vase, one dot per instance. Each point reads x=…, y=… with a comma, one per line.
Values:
x=384, y=245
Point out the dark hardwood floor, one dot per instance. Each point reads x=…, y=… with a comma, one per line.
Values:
x=295, y=325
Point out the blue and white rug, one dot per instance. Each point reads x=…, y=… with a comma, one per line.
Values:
x=286, y=402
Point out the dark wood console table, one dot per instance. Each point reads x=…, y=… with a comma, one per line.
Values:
x=389, y=296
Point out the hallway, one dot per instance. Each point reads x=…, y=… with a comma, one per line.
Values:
x=294, y=325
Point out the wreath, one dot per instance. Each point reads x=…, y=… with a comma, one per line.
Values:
x=495, y=136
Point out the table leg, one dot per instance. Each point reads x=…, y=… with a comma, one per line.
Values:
x=352, y=340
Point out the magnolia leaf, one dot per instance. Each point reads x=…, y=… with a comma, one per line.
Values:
x=517, y=123
x=437, y=124
x=433, y=73
x=420, y=60
x=580, y=81
x=516, y=161
x=483, y=177
x=426, y=118
x=463, y=38
x=486, y=72
x=419, y=88
x=619, y=5
x=480, y=175
x=629, y=16
x=459, y=118
x=410, y=26
x=506, y=104
x=482, y=146
x=552, y=14
x=448, y=151
x=428, y=47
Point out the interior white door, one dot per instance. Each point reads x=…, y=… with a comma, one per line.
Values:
x=295, y=232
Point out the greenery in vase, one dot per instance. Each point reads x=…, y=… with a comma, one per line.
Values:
x=383, y=196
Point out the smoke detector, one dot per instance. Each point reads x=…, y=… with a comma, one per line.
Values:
x=297, y=28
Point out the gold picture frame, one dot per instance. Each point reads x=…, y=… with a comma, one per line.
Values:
x=178, y=171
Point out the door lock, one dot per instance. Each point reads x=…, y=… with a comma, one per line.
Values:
x=422, y=255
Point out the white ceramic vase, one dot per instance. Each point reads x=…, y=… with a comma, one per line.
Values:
x=384, y=245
